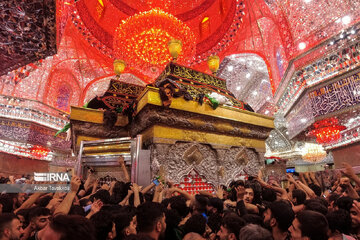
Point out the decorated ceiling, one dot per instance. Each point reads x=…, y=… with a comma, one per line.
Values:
x=255, y=40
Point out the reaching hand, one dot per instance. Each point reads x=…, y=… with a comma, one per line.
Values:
x=96, y=206
x=135, y=187
x=159, y=188
x=75, y=183
x=240, y=192
x=220, y=192
x=348, y=170
x=356, y=206
x=290, y=178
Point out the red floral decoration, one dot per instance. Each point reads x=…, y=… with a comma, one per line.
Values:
x=327, y=131
x=141, y=40
x=39, y=151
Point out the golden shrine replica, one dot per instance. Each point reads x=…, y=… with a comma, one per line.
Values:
x=219, y=143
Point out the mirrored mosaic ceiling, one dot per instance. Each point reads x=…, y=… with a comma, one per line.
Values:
x=248, y=79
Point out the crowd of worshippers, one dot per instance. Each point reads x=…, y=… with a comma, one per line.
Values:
x=245, y=210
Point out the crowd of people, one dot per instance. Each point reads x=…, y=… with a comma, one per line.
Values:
x=244, y=210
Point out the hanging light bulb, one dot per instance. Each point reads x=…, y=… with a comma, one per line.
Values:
x=175, y=48
x=119, y=67
x=213, y=62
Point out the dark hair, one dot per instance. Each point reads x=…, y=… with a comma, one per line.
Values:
x=339, y=220
x=84, y=202
x=200, y=203
x=103, y=224
x=102, y=195
x=38, y=211
x=333, y=197
x=268, y=195
x=77, y=210
x=7, y=202
x=282, y=211
x=316, y=189
x=214, y=222
x=313, y=225
x=255, y=186
x=217, y=203
x=122, y=221
x=5, y=221
x=316, y=205
x=147, y=216
x=300, y=196
x=179, y=204
x=233, y=224
x=73, y=227
x=139, y=236
x=344, y=203
x=172, y=221
x=196, y=223
x=119, y=192
x=254, y=219
x=44, y=201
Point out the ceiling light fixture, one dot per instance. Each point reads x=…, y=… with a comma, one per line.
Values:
x=248, y=75
x=230, y=68
x=238, y=88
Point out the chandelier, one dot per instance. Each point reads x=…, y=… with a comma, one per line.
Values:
x=142, y=39
x=327, y=131
x=313, y=153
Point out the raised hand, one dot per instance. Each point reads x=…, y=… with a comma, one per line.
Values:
x=220, y=192
x=75, y=183
x=240, y=192
x=348, y=170
x=96, y=206
x=121, y=161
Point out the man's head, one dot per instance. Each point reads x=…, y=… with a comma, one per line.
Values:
x=339, y=221
x=298, y=197
x=230, y=227
x=249, y=194
x=151, y=219
x=39, y=217
x=196, y=223
x=199, y=204
x=279, y=215
x=309, y=225
x=125, y=224
x=64, y=227
x=215, y=205
x=10, y=227
x=254, y=232
x=104, y=226
x=18, y=199
x=102, y=195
